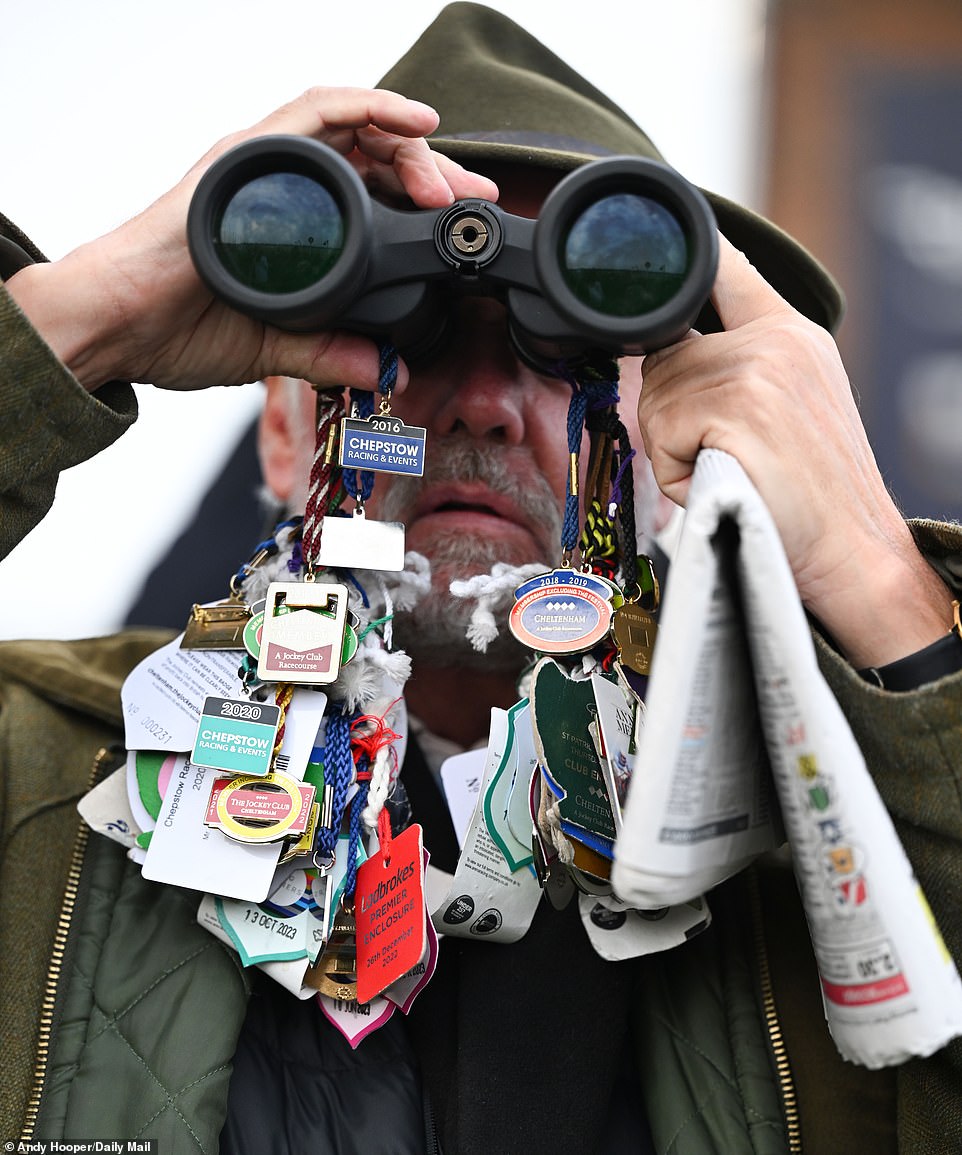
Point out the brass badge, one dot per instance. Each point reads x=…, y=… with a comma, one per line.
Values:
x=633, y=631
x=216, y=627
x=335, y=972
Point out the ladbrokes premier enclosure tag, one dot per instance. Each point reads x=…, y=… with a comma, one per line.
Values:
x=389, y=914
x=383, y=444
x=236, y=735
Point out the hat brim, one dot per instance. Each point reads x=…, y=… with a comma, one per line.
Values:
x=787, y=266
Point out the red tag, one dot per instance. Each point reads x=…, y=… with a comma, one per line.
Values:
x=389, y=914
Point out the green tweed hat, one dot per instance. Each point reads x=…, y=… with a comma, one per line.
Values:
x=503, y=96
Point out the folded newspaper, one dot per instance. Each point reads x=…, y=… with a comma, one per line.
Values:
x=743, y=734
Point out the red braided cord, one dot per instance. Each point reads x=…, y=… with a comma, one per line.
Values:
x=370, y=743
x=384, y=834
x=325, y=473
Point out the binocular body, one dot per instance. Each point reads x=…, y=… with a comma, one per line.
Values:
x=621, y=259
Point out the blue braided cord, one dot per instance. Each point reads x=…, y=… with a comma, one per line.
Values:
x=358, y=802
x=362, y=402
x=365, y=600
x=387, y=373
x=269, y=546
x=577, y=407
x=585, y=393
x=386, y=380
x=338, y=772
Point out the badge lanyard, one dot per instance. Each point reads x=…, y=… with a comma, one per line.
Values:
x=362, y=406
x=593, y=390
x=568, y=611
x=583, y=619
x=325, y=490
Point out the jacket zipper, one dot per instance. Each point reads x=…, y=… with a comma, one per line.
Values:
x=57, y=955
x=432, y=1138
x=773, y=1029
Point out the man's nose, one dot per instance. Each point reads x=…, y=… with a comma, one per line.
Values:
x=480, y=380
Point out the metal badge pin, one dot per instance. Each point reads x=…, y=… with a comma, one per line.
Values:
x=561, y=612
x=383, y=444
x=257, y=810
x=216, y=627
x=335, y=972
x=303, y=633
x=357, y=543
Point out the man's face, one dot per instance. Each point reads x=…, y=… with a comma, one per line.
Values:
x=496, y=464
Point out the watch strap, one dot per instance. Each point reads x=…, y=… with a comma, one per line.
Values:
x=938, y=660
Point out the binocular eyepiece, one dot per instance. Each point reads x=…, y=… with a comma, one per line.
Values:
x=621, y=259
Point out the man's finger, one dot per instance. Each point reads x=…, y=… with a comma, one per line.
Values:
x=741, y=294
x=329, y=110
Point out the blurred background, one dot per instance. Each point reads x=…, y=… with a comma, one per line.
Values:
x=837, y=118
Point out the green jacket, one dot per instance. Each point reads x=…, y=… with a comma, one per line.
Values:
x=110, y=984
x=91, y=978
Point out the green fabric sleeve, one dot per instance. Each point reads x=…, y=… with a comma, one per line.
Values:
x=912, y=744
x=49, y=422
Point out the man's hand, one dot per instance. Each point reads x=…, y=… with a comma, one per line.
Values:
x=131, y=306
x=772, y=391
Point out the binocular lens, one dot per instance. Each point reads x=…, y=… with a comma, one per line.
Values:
x=280, y=233
x=625, y=255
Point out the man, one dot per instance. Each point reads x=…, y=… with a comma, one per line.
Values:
x=539, y=1045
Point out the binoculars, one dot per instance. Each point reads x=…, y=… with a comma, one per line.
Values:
x=620, y=260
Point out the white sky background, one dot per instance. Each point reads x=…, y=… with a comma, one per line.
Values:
x=108, y=103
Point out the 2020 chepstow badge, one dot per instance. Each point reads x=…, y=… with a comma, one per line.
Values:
x=561, y=612
x=235, y=735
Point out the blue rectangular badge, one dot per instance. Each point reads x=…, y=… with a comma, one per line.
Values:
x=383, y=444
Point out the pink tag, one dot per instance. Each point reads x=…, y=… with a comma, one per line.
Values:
x=409, y=986
x=354, y=1021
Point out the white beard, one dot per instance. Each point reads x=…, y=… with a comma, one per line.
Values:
x=435, y=631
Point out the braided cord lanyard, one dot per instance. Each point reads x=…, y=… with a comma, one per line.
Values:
x=282, y=699
x=599, y=543
x=338, y=775
x=325, y=491
x=638, y=572
x=328, y=489
x=623, y=495
x=362, y=405
x=593, y=387
x=352, y=746
x=369, y=736
x=600, y=546
x=261, y=552
x=325, y=494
